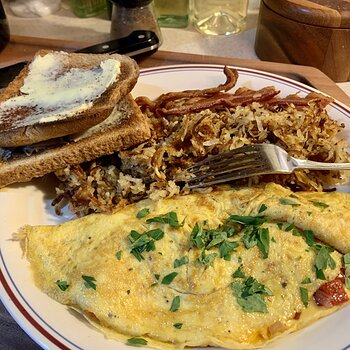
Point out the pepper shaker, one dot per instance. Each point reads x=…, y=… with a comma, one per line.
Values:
x=131, y=15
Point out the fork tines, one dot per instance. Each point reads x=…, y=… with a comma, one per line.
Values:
x=230, y=165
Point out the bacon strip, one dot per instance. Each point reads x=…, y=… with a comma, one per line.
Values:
x=190, y=101
x=223, y=100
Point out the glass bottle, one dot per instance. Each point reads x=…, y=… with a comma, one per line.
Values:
x=89, y=8
x=219, y=17
x=171, y=13
x=131, y=15
x=4, y=28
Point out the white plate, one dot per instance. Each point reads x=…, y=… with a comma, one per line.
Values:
x=54, y=326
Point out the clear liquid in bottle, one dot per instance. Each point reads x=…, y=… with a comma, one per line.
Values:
x=219, y=17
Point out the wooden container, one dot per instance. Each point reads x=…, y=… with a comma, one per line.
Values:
x=308, y=32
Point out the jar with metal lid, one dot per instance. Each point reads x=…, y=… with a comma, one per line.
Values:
x=131, y=15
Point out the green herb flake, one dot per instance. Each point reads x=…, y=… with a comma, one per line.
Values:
x=178, y=325
x=169, y=218
x=262, y=208
x=169, y=278
x=304, y=295
x=324, y=259
x=175, y=304
x=347, y=282
x=226, y=248
x=346, y=259
x=309, y=213
x=306, y=280
x=286, y=201
x=156, y=234
x=154, y=284
x=63, y=285
x=156, y=276
x=239, y=273
x=289, y=227
x=137, y=341
x=309, y=238
x=250, y=295
x=273, y=239
x=263, y=242
x=118, y=254
x=142, y=213
x=319, y=204
x=296, y=233
x=293, y=196
x=280, y=225
x=89, y=281
x=207, y=259
x=248, y=220
x=182, y=261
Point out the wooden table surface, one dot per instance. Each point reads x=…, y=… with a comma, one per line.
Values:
x=23, y=48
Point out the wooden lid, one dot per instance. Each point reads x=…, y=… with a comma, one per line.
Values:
x=323, y=13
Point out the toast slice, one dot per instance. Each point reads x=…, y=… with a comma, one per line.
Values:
x=125, y=127
x=61, y=93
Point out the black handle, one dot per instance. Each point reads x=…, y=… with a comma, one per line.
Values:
x=138, y=42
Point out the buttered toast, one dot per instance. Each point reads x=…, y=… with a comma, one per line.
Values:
x=61, y=93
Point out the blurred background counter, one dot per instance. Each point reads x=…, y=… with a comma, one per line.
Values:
x=63, y=24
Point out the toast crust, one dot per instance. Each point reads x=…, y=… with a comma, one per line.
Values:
x=12, y=136
x=130, y=130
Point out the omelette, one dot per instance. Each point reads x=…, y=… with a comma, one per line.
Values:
x=234, y=268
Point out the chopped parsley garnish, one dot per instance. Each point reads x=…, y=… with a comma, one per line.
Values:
x=169, y=218
x=306, y=280
x=156, y=234
x=273, y=239
x=178, y=325
x=145, y=241
x=262, y=208
x=250, y=295
x=89, y=281
x=118, y=254
x=280, y=225
x=346, y=259
x=63, y=285
x=319, y=204
x=323, y=258
x=182, y=261
x=253, y=233
x=289, y=227
x=239, y=273
x=137, y=341
x=205, y=238
x=309, y=238
x=175, y=304
x=169, y=278
x=286, y=201
x=293, y=196
x=207, y=259
x=226, y=248
x=304, y=295
x=248, y=220
x=142, y=213
x=156, y=276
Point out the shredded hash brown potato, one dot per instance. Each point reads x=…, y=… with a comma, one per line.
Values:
x=188, y=126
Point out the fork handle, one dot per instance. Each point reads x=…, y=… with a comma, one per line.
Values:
x=309, y=164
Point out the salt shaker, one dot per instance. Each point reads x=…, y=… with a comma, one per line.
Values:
x=131, y=15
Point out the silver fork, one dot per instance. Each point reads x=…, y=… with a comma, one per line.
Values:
x=248, y=161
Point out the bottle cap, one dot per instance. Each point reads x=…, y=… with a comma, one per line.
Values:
x=132, y=3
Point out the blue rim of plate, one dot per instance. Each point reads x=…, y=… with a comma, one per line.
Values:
x=19, y=307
